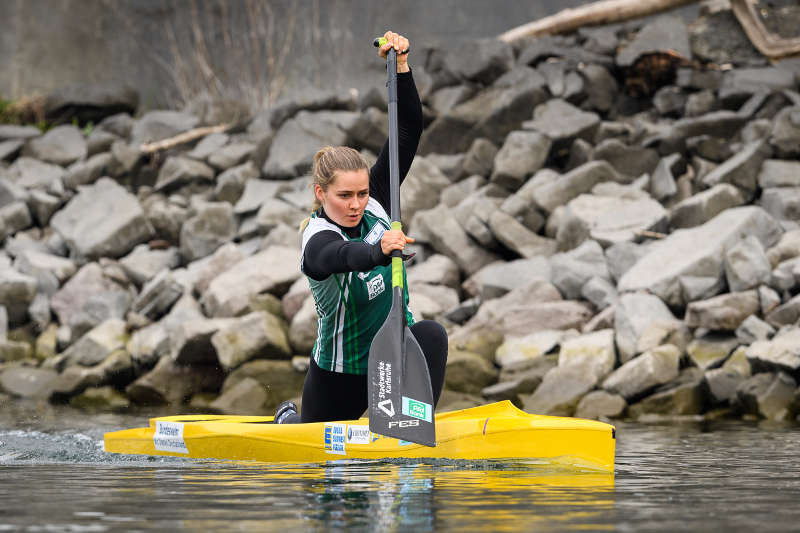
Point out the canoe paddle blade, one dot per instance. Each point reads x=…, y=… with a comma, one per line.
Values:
x=400, y=394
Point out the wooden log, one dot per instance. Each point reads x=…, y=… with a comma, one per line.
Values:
x=188, y=136
x=597, y=13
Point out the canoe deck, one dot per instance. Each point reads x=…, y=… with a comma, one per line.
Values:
x=494, y=431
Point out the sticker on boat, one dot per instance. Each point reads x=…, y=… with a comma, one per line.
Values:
x=335, y=438
x=357, y=434
x=417, y=409
x=169, y=437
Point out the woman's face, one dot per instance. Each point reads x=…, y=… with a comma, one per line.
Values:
x=346, y=196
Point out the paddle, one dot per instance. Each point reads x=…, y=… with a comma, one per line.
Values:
x=400, y=393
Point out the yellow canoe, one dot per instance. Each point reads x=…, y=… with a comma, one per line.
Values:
x=494, y=431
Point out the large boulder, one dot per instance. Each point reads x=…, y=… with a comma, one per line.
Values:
x=723, y=312
x=560, y=391
x=97, y=344
x=17, y=291
x=594, y=353
x=103, y=220
x=635, y=316
x=777, y=355
x=62, y=145
x=562, y=122
x=212, y=226
x=257, y=335
x=468, y=372
x=522, y=154
x=612, y=219
x=89, y=102
x=279, y=379
x=641, y=375
x=677, y=260
x=705, y=205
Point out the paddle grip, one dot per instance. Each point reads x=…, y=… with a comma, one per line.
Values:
x=380, y=41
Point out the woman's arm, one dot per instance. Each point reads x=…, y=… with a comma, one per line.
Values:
x=327, y=253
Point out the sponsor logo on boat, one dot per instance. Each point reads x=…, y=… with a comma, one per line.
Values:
x=404, y=423
x=358, y=434
x=168, y=437
x=335, y=438
x=417, y=409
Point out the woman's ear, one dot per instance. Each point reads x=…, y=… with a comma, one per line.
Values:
x=318, y=193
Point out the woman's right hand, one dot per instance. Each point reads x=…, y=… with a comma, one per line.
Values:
x=394, y=239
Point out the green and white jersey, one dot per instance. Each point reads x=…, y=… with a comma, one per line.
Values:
x=351, y=307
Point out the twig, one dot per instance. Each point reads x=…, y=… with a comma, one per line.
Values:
x=185, y=137
x=651, y=234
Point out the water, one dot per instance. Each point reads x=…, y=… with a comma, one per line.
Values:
x=54, y=476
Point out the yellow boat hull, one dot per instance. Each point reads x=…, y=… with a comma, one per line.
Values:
x=495, y=431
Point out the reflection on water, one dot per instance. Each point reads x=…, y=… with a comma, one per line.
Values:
x=738, y=476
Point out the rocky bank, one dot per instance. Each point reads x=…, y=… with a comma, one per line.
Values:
x=607, y=224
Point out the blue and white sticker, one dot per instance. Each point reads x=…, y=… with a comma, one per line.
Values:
x=335, y=438
x=374, y=234
x=417, y=409
x=357, y=434
x=169, y=437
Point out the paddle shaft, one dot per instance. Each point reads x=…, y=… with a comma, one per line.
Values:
x=394, y=169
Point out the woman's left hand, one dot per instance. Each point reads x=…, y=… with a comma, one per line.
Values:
x=401, y=45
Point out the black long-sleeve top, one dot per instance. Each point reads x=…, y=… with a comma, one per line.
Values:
x=326, y=252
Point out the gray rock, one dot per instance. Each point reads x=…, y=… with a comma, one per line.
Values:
x=149, y=344
x=371, y=127
x=522, y=154
x=171, y=383
x=562, y=122
x=303, y=327
x=779, y=173
x=609, y=219
x=43, y=206
x=292, y=301
x=722, y=384
x=634, y=314
x=783, y=276
x=178, y=171
x=247, y=397
x=481, y=60
x=50, y=270
x=785, y=135
x=782, y=202
x=255, y=193
x=14, y=132
x=594, y=353
x=27, y=382
x=272, y=270
x=662, y=182
x=30, y=173
x=669, y=100
x=13, y=218
x=232, y=182
x=468, y=372
x=571, y=270
x=530, y=348
x=438, y=269
x=560, y=391
x=700, y=103
x=203, y=271
x=754, y=329
x=702, y=207
x=711, y=349
x=103, y=220
x=635, y=378
x=498, y=278
x=431, y=301
x=119, y=124
x=777, y=355
x=159, y=125
x=786, y=314
x=143, y=263
x=256, y=335
x=601, y=405
x=687, y=395
x=448, y=237
x=191, y=341
x=788, y=247
x=157, y=296
x=724, y=312
x=741, y=83
x=208, y=145
x=212, y=226
x=11, y=351
x=722, y=124
x=231, y=155
x=600, y=86
x=768, y=395
x=621, y=256
x=552, y=194
x=421, y=187
x=62, y=145
x=10, y=149
x=601, y=292
x=479, y=158
x=126, y=159
x=17, y=291
x=746, y=265
x=89, y=102
x=451, y=165
x=664, y=33
x=741, y=169
x=631, y=161
x=516, y=237
x=678, y=256
x=97, y=344
x=278, y=379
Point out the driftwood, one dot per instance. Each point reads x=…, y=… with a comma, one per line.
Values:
x=188, y=136
x=765, y=42
x=597, y=13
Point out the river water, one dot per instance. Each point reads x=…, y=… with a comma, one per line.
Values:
x=54, y=476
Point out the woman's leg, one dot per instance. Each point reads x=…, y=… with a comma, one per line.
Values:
x=432, y=338
x=329, y=396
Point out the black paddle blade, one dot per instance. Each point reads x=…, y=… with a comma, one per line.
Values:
x=400, y=394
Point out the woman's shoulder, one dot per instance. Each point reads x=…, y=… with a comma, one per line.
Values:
x=317, y=225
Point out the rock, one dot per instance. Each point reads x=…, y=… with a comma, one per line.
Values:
x=29, y=173
x=257, y=335
x=685, y=396
x=702, y=207
x=14, y=350
x=711, y=350
x=303, y=327
x=767, y=395
x=89, y=298
x=17, y=291
x=166, y=217
x=593, y=353
x=517, y=350
x=516, y=237
x=740, y=84
x=14, y=132
x=448, y=238
x=635, y=378
x=149, y=344
x=664, y=33
x=578, y=181
x=782, y=202
x=662, y=182
x=634, y=315
x=562, y=123
x=245, y=398
x=522, y=154
x=621, y=256
x=480, y=158
x=27, y=382
x=628, y=160
x=431, y=301
x=778, y=355
x=723, y=312
x=664, y=269
x=788, y=247
x=722, y=124
x=103, y=220
x=178, y=171
x=786, y=314
x=143, y=262
x=700, y=103
x=126, y=159
x=208, y=145
x=171, y=383
x=190, y=342
x=42, y=206
x=62, y=145
x=481, y=60
x=421, y=187
x=293, y=300
x=740, y=170
x=560, y=391
x=278, y=379
x=157, y=296
x=272, y=270
x=159, y=125
x=87, y=172
x=498, y=278
x=571, y=270
x=600, y=86
x=722, y=384
x=785, y=135
x=779, y=173
x=89, y=102
x=50, y=270
x=13, y=218
x=100, y=398
x=256, y=193
x=468, y=372
x=754, y=329
x=746, y=265
x=599, y=405
x=203, y=271
x=97, y=344
x=670, y=100
x=438, y=269
x=232, y=182
x=212, y=226
x=231, y=155
x=783, y=277
x=115, y=369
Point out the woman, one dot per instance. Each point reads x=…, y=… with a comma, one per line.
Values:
x=346, y=247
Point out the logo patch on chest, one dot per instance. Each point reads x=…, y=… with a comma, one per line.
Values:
x=374, y=234
x=375, y=286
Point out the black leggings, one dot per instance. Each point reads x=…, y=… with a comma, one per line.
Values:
x=329, y=396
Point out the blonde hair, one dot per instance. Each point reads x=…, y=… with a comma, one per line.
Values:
x=327, y=162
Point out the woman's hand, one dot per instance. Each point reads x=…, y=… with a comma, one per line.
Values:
x=400, y=45
x=394, y=239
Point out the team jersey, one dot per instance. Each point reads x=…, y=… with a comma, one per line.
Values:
x=352, y=306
